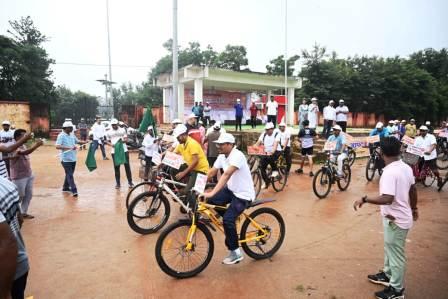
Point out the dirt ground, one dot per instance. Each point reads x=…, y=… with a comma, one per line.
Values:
x=83, y=248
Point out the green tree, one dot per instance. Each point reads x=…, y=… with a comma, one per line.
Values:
x=277, y=65
x=74, y=105
x=233, y=58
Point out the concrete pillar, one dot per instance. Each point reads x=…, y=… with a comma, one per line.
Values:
x=166, y=115
x=198, y=88
x=290, y=111
x=180, y=101
x=269, y=94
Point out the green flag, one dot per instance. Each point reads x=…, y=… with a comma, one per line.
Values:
x=90, y=160
x=119, y=154
x=148, y=120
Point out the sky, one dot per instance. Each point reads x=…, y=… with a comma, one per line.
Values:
x=138, y=28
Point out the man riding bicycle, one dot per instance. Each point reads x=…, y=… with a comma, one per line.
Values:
x=235, y=187
x=285, y=143
x=340, y=152
x=271, y=142
x=380, y=131
x=429, y=143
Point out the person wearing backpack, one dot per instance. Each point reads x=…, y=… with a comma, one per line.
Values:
x=272, y=148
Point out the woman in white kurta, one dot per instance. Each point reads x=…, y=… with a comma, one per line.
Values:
x=313, y=111
x=303, y=112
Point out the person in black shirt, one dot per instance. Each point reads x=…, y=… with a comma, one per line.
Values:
x=306, y=141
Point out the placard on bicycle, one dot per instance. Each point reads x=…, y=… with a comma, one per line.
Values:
x=256, y=150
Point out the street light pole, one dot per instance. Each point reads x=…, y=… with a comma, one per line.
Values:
x=175, y=63
x=286, y=62
x=108, y=50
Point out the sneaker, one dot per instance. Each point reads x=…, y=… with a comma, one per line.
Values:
x=233, y=258
x=390, y=293
x=379, y=278
x=75, y=194
x=117, y=187
x=311, y=174
x=274, y=174
x=299, y=171
x=66, y=191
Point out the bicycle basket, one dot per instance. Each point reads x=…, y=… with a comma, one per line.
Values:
x=410, y=159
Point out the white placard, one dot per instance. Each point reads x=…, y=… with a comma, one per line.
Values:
x=168, y=138
x=415, y=150
x=373, y=139
x=173, y=160
x=408, y=140
x=330, y=146
x=201, y=182
x=157, y=158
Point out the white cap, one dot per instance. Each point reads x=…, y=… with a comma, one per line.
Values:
x=192, y=115
x=176, y=121
x=238, y=100
x=282, y=124
x=314, y=100
x=403, y=121
x=114, y=121
x=446, y=125
x=379, y=125
x=226, y=138
x=179, y=130
x=67, y=124
x=150, y=128
x=391, y=122
x=337, y=127
x=397, y=121
x=217, y=125
x=341, y=101
x=427, y=123
x=331, y=101
x=423, y=128
x=6, y=122
x=120, y=123
x=268, y=126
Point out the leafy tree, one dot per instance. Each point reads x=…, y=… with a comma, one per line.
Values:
x=74, y=105
x=277, y=65
x=233, y=58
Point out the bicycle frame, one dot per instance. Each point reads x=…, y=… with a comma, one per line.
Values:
x=162, y=185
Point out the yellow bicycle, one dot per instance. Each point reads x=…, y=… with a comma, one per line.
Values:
x=185, y=248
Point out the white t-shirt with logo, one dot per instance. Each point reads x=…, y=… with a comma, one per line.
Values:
x=114, y=136
x=396, y=180
x=272, y=107
x=341, y=116
x=426, y=144
x=285, y=135
x=7, y=137
x=268, y=141
x=240, y=183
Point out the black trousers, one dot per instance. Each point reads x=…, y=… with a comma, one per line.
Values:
x=272, y=119
x=288, y=157
x=238, y=119
x=343, y=125
x=327, y=127
x=206, y=121
x=253, y=122
x=211, y=161
x=148, y=165
x=127, y=168
x=19, y=286
x=268, y=160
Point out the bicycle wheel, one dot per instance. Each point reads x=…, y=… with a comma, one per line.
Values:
x=137, y=190
x=351, y=156
x=172, y=256
x=428, y=178
x=148, y=212
x=442, y=159
x=345, y=181
x=279, y=182
x=270, y=220
x=256, y=178
x=370, y=169
x=322, y=183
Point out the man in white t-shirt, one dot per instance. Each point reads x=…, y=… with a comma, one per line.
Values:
x=398, y=200
x=150, y=143
x=329, y=118
x=285, y=144
x=342, y=115
x=98, y=133
x=6, y=139
x=236, y=187
x=114, y=135
x=429, y=143
x=271, y=142
x=271, y=111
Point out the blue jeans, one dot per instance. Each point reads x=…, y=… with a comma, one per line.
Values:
x=95, y=146
x=229, y=216
x=69, y=182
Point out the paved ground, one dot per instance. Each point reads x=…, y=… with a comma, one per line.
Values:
x=83, y=248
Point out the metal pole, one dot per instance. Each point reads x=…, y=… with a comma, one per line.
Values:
x=105, y=87
x=175, y=63
x=286, y=62
x=108, y=49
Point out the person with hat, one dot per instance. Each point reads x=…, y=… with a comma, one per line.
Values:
x=303, y=113
x=6, y=149
x=391, y=128
x=382, y=132
x=193, y=155
x=313, y=113
x=342, y=115
x=238, y=114
x=207, y=114
x=214, y=125
x=329, y=118
x=430, y=128
x=429, y=143
x=82, y=126
x=212, y=150
x=150, y=143
x=402, y=128
x=235, y=187
x=271, y=111
x=191, y=122
x=306, y=142
x=411, y=128
x=6, y=139
x=272, y=148
x=66, y=142
x=114, y=135
x=340, y=152
x=285, y=144
x=398, y=203
x=99, y=136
